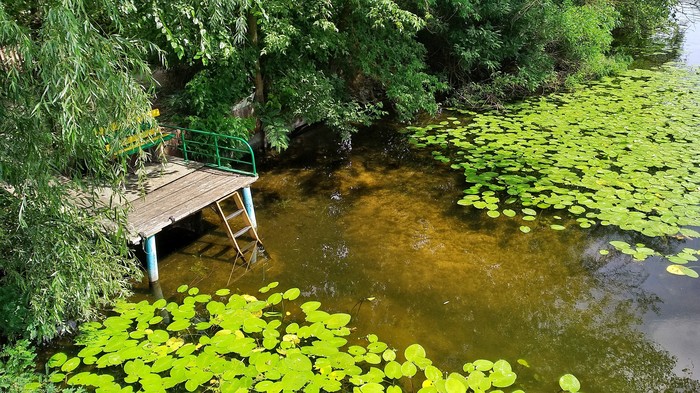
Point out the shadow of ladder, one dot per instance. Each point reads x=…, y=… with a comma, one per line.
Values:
x=242, y=226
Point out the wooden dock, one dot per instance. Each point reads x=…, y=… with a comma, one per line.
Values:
x=165, y=193
x=173, y=191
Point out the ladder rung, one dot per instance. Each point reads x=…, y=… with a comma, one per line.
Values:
x=242, y=231
x=234, y=214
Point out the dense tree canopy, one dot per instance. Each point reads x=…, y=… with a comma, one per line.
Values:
x=72, y=68
x=347, y=62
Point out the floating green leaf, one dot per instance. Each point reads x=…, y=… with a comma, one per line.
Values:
x=454, y=385
x=179, y=325
x=509, y=213
x=57, y=360
x=569, y=383
x=222, y=292
x=408, y=369
x=70, y=365
x=414, y=352
x=292, y=294
x=483, y=365
x=337, y=320
x=682, y=271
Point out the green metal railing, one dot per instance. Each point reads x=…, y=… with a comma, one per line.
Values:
x=228, y=153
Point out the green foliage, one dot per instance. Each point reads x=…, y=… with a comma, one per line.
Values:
x=342, y=63
x=495, y=51
x=74, y=74
x=584, y=44
x=586, y=31
x=17, y=373
x=232, y=343
x=333, y=63
x=208, y=99
x=622, y=152
x=16, y=363
x=640, y=19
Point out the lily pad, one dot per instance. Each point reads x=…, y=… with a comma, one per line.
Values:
x=681, y=271
x=529, y=212
x=569, y=383
x=509, y=213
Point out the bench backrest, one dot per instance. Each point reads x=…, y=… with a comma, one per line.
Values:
x=128, y=141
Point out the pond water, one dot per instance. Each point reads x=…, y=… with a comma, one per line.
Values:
x=372, y=228
x=688, y=17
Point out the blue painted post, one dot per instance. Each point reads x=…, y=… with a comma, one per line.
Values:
x=151, y=259
x=248, y=203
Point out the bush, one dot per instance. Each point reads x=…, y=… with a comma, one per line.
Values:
x=18, y=374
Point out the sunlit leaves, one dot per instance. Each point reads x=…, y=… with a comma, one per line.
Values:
x=57, y=360
x=623, y=152
x=243, y=344
x=569, y=383
x=682, y=271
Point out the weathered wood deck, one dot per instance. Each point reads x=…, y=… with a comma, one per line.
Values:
x=172, y=192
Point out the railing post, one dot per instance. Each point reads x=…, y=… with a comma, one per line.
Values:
x=184, y=144
x=151, y=259
x=216, y=146
x=248, y=203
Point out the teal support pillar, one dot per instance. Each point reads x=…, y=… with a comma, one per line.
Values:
x=151, y=259
x=248, y=203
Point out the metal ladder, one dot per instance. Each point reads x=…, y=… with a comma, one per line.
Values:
x=247, y=227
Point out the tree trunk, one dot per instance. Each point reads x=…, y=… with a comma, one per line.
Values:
x=259, y=82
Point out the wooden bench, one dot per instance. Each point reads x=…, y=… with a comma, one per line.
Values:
x=148, y=135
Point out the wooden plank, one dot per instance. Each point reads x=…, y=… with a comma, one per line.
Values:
x=181, y=198
x=157, y=176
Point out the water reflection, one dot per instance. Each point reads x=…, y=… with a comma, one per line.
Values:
x=381, y=221
x=688, y=17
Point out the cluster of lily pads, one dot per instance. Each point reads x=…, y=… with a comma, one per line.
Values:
x=624, y=151
x=238, y=343
x=640, y=252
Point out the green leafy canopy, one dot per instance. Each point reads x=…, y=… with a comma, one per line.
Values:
x=73, y=73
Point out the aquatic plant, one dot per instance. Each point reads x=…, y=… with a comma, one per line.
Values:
x=569, y=383
x=235, y=343
x=623, y=151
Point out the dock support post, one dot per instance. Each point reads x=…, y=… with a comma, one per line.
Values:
x=248, y=203
x=151, y=259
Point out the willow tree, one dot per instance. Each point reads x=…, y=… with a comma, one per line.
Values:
x=67, y=73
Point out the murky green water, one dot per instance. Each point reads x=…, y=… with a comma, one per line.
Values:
x=376, y=219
